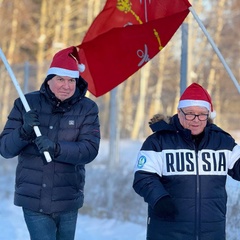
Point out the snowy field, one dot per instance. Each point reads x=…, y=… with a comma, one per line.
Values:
x=12, y=226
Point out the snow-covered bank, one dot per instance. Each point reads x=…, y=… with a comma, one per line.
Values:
x=12, y=225
x=127, y=219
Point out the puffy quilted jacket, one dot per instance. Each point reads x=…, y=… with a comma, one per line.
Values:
x=56, y=186
x=194, y=175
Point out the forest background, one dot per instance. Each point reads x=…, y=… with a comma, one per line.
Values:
x=32, y=31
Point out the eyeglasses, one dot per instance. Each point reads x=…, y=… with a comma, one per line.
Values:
x=191, y=117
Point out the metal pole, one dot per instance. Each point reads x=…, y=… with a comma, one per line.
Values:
x=113, y=142
x=22, y=97
x=184, y=58
x=215, y=48
x=113, y=151
x=26, y=76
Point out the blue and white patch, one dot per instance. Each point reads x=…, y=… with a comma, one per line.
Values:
x=141, y=161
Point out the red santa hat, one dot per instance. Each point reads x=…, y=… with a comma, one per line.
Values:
x=66, y=63
x=196, y=95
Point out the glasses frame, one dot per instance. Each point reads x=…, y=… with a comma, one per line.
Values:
x=194, y=116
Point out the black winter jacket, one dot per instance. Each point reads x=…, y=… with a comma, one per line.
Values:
x=73, y=124
x=193, y=175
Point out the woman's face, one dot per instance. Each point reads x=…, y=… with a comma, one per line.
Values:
x=193, y=118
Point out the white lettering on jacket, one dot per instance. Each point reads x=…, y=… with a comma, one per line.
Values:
x=185, y=162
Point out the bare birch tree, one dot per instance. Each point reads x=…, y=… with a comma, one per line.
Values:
x=34, y=30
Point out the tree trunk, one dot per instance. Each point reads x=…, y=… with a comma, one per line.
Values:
x=139, y=122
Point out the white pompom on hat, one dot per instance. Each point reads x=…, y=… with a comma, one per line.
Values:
x=196, y=95
x=66, y=63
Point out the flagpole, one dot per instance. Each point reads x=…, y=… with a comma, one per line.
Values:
x=22, y=97
x=215, y=48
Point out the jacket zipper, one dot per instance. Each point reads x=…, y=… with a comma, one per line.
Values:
x=197, y=196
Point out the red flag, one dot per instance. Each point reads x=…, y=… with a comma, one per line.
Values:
x=125, y=36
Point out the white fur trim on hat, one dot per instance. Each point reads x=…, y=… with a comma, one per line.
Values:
x=63, y=72
x=81, y=67
x=191, y=103
x=213, y=114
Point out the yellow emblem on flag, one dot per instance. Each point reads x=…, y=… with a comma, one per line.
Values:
x=126, y=7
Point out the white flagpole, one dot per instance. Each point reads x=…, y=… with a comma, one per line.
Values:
x=215, y=48
x=22, y=97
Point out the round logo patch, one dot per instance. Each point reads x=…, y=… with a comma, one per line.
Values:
x=141, y=161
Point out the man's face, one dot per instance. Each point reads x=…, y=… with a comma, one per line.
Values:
x=189, y=120
x=62, y=87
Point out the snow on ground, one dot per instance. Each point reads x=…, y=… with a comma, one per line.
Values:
x=12, y=225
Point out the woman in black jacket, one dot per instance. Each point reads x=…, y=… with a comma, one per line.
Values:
x=51, y=193
x=181, y=172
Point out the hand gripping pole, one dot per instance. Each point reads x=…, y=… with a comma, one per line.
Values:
x=22, y=97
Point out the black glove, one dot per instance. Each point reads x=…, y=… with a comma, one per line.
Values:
x=30, y=119
x=45, y=144
x=165, y=208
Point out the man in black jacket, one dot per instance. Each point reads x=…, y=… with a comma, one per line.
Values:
x=181, y=171
x=51, y=193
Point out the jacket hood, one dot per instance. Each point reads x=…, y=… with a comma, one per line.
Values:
x=160, y=122
x=82, y=85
